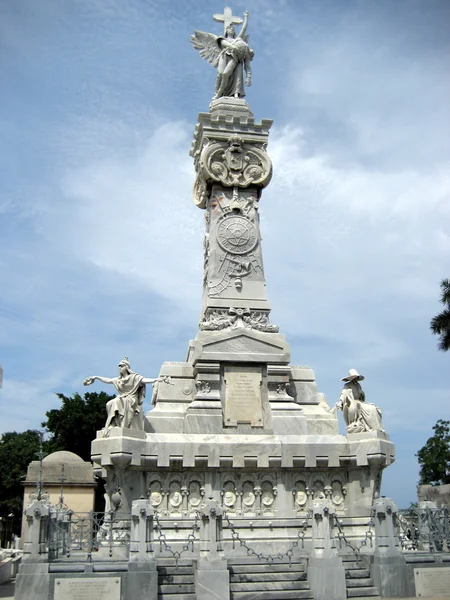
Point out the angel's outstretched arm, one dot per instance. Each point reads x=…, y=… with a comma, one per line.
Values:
x=244, y=25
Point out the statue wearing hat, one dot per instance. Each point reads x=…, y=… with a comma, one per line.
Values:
x=352, y=383
x=125, y=410
x=359, y=416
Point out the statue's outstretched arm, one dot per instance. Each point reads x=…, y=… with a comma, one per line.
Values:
x=244, y=25
x=150, y=381
x=164, y=378
x=90, y=380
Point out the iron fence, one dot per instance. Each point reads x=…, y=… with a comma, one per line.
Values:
x=73, y=535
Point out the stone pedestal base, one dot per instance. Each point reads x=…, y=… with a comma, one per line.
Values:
x=389, y=574
x=142, y=580
x=326, y=576
x=32, y=582
x=212, y=580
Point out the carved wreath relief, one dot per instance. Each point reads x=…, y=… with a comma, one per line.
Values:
x=217, y=319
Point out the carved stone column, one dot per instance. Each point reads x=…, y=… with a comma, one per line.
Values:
x=34, y=576
x=212, y=579
x=232, y=167
x=324, y=557
x=388, y=568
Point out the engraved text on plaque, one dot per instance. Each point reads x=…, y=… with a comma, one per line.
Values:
x=243, y=395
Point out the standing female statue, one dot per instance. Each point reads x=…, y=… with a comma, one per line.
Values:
x=125, y=410
x=231, y=55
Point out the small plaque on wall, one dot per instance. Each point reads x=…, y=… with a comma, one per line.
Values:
x=243, y=402
x=432, y=583
x=87, y=588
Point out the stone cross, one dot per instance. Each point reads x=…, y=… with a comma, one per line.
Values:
x=227, y=19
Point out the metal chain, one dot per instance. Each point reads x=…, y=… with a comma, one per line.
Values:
x=270, y=558
x=367, y=537
x=189, y=545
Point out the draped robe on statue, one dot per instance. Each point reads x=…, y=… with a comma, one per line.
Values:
x=125, y=410
x=239, y=52
x=359, y=416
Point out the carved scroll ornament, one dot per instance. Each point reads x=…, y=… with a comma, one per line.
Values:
x=235, y=163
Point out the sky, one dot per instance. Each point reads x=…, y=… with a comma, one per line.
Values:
x=101, y=245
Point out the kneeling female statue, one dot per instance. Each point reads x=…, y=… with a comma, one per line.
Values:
x=359, y=416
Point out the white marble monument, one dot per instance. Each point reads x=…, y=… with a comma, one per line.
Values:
x=238, y=423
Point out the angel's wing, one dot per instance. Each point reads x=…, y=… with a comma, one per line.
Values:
x=207, y=45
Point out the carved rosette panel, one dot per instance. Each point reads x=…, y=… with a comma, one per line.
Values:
x=319, y=486
x=195, y=495
x=245, y=496
x=175, y=498
x=235, y=164
x=171, y=495
x=156, y=494
x=268, y=498
x=229, y=496
x=248, y=497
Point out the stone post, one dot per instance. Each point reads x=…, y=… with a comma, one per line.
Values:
x=326, y=573
x=212, y=580
x=426, y=542
x=388, y=567
x=33, y=576
x=142, y=580
x=35, y=547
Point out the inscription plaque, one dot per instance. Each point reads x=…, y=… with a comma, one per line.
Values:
x=432, y=583
x=243, y=403
x=87, y=588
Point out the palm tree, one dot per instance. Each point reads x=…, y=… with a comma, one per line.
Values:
x=440, y=324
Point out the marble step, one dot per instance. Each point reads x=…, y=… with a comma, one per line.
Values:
x=282, y=576
x=357, y=573
x=171, y=562
x=364, y=582
x=175, y=589
x=263, y=586
x=177, y=597
x=362, y=592
x=262, y=568
x=352, y=565
x=271, y=595
x=362, y=597
x=173, y=571
x=175, y=579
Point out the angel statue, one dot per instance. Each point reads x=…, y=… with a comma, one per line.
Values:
x=125, y=410
x=230, y=54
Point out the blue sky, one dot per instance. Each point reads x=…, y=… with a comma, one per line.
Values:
x=101, y=245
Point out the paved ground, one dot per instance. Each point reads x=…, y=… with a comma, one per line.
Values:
x=7, y=593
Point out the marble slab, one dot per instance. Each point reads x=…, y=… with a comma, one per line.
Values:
x=432, y=583
x=87, y=588
x=243, y=401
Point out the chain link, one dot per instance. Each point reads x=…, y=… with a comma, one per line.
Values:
x=270, y=558
x=355, y=548
x=162, y=538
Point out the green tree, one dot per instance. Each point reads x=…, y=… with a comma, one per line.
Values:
x=434, y=457
x=17, y=450
x=74, y=425
x=440, y=324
